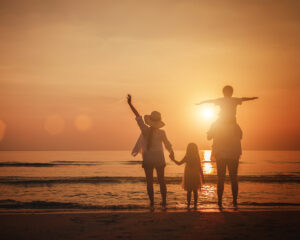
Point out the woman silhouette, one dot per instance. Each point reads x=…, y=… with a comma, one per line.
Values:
x=150, y=145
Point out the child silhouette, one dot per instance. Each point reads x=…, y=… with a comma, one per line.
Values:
x=193, y=175
x=228, y=105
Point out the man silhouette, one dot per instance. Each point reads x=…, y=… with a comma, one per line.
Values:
x=226, y=150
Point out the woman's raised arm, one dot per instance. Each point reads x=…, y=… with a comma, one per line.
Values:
x=136, y=113
x=138, y=117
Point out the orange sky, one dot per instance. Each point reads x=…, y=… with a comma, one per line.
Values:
x=66, y=67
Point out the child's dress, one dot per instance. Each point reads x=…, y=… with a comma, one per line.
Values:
x=192, y=180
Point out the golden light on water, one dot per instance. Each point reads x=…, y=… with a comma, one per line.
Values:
x=207, y=155
x=207, y=166
x=83, y=122
x=2, y=129
x=54, y=124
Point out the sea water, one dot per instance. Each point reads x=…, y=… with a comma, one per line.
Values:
x=116, y=180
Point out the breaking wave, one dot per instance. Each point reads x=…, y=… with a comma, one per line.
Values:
x=116, y=180
x=13, y=204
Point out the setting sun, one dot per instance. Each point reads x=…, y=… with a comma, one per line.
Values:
x=207, y=113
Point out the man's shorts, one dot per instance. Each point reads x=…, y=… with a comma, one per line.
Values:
x=232, y=165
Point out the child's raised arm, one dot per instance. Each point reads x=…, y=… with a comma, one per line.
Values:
x=249, y=99
x=206, y=101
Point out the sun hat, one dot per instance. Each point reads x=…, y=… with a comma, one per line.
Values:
x=154, y=120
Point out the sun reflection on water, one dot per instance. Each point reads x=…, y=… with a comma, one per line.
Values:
x=207, y=155
x=207, y=166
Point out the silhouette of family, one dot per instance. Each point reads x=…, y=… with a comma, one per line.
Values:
x=225, y=133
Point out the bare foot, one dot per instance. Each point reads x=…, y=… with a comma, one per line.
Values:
x=220, y=204
x=164, y=204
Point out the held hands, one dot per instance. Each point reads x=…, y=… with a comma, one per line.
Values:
x=172, y=156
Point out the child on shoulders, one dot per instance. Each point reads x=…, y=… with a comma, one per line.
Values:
x=228, y=105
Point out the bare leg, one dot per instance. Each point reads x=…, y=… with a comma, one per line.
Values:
x=233, y=169
x=234, y=188
x=221, y=169
x=163, y=188
x=220, y=189
x=188, y=197
x=149, y=180
x=195, y=198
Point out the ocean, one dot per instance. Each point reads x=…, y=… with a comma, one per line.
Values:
x=109, y=180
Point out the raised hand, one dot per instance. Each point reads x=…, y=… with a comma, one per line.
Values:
x=131, y=106
x=129, y=99
x=249, y=99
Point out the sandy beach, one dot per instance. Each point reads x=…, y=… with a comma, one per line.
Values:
x=255, y=224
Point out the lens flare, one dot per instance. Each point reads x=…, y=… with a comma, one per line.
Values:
x=54, y=125
x=83, y=122
x=2, y=129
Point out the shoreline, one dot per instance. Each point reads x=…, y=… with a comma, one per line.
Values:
x=147, y=210
x=159, y=225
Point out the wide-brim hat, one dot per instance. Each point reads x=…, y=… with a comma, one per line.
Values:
x=154, y=120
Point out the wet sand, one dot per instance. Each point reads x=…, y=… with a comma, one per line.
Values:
x=255, y=224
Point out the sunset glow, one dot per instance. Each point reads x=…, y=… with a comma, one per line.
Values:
x=78, y=61
x=135, y=119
